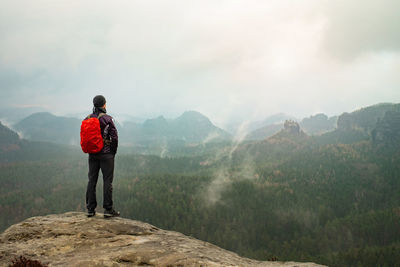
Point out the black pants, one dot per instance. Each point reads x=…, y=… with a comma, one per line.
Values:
x=105, y=162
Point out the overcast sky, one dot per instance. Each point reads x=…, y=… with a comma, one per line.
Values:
x=243, y=59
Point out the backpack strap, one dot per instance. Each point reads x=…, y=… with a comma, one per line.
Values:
x=101, y=115
x=105, y=140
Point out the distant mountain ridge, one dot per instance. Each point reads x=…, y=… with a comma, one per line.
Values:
x=275, y=119
x=264, y=132
x=13, y=148
x=190, y=127
x=46, y=127
x=14, y=114
x=193, y=128
x=378, y=125
x=360, y=122
x=313, y=125
x=365, y=119
x=358, y=125
x=319, y=124
x=7, y=136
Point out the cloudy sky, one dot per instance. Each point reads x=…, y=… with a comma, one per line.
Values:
x=229, y=59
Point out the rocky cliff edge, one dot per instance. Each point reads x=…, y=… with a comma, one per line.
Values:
x=72, y=239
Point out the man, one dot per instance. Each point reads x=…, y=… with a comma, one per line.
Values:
x=103, y=160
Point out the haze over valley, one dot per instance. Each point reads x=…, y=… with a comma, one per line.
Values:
x=268, y=128
x=203, y=181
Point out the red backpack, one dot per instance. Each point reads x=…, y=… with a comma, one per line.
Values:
x=91, y=138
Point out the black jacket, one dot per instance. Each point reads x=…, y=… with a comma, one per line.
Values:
x=108, y=130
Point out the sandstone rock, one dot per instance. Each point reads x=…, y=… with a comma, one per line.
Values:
x=72, y=239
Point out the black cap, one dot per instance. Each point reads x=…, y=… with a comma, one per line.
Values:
x=99, y=101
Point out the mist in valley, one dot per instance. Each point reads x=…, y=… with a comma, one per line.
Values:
x=268, y=128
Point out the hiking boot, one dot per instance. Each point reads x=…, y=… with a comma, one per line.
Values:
x=111, y=213
x=91, y=213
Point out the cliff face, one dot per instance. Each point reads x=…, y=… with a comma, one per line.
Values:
x=72, y=239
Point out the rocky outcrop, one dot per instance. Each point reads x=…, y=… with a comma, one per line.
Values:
x=291, y=127
x=72, y=239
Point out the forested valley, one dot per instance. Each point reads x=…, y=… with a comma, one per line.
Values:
x=332, y=199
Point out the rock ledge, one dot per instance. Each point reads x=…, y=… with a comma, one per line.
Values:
x=72, y=239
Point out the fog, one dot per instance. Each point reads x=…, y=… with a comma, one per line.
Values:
x=230, y=60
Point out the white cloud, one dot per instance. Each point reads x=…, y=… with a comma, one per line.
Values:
x=223, y=58
x=357, y=27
